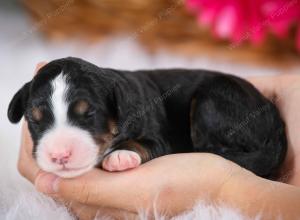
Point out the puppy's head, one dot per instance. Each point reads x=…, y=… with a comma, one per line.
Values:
x=67, y=110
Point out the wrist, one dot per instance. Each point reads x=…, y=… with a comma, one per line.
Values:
x=245, y=192
x=254, y=196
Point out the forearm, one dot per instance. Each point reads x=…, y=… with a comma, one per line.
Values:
x=224, y=183
x=234, y=187
x=257, y=196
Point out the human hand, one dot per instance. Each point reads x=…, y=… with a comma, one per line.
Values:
x=154, y=181
x=27, y=166
x=284, y=91
x=180, y=175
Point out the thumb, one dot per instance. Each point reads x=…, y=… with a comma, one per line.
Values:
x=47, y=183
x=89, y=188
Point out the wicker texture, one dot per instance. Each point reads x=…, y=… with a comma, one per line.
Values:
x=156, y=23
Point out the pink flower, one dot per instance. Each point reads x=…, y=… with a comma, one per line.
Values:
x=248, y=20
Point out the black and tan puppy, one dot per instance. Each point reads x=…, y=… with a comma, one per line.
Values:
x=81, y=116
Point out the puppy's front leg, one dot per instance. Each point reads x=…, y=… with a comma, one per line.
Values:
x=130, y=154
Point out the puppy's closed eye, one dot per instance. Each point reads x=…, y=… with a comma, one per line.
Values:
x=37, y=114
x=81, y=107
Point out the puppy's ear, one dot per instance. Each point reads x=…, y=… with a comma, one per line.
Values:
x=120, y=102
x=127, y=100
x=18, y=104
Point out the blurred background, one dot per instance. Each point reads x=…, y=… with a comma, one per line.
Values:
x=243, y=37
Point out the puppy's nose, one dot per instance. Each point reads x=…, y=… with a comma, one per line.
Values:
x=61, y=158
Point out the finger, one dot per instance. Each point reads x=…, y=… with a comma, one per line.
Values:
x=39, y=66
x=46, y=183
x=26, y=138
x=26, y=164
x=96, y=187
x=70, y=189
x=84, y=189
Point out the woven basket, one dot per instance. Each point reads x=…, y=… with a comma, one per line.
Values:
x=156, y=23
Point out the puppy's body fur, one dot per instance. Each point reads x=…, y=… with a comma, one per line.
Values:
x=159, y=112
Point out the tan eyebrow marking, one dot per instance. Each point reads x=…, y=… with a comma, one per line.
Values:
x=105, y=140
x=113, y=127
x=37, y=114
x=81, y=107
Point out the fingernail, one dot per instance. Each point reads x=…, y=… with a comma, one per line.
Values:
x=47, y=183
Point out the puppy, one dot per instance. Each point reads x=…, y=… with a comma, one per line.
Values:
x=82, y=116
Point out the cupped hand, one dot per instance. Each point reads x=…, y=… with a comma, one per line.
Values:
x=157, y=180
x=154, y=182
x=181, y=178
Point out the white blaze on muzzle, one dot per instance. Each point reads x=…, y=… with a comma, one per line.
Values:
x=64, y=149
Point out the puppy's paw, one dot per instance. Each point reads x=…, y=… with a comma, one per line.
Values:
x=120, y=160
